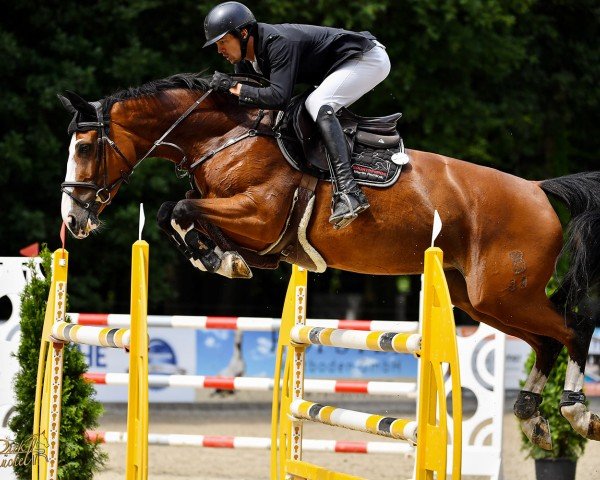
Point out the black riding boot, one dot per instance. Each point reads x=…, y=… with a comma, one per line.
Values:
x=348, y=199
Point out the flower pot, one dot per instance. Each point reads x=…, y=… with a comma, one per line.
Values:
x=555, y=469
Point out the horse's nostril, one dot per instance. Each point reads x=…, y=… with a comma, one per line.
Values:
x=71, y=221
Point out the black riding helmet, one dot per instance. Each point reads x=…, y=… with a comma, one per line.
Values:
x=228, y=17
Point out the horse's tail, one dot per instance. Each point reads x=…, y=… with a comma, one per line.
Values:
x=581, y=194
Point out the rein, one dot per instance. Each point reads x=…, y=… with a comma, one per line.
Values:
x=253, y=132
x=104, y=191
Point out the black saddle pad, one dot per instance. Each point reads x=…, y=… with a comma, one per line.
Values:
x=373, y=142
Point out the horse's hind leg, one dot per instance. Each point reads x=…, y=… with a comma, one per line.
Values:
x=572, y=404
x=526, y=306
x=575, y=334
x=526, y=407
x=534, y=426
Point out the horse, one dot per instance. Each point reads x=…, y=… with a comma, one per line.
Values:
x=501, y=237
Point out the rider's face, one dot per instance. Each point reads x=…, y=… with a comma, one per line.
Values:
x=229, y=46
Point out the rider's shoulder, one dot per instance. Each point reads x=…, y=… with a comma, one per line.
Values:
x=290, y=31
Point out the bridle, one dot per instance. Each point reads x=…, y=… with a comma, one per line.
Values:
x=104, y=192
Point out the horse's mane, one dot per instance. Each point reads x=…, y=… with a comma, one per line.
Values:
x=192, y=81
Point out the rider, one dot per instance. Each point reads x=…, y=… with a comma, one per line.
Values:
x=345, y=65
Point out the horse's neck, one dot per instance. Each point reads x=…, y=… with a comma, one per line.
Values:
x=146, y=120
x=217, y=121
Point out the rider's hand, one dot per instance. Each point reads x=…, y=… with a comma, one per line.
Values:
x=221, y=82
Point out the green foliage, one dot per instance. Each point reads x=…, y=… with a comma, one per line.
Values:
x=78, y=459
x=566, y=442
x=510, y=84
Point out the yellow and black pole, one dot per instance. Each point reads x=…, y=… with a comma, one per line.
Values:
x=48, y=394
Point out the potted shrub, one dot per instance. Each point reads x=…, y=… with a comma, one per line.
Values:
x=567, y=445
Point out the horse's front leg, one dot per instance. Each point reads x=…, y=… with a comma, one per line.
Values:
x=189, y=213
x=252, y=220
x=197, y=248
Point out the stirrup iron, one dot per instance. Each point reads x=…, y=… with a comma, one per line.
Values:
x=344, y=219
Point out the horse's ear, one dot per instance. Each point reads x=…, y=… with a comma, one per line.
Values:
x=74, y=103
x=66, y=103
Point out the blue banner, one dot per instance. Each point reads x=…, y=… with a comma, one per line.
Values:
x=253, y=355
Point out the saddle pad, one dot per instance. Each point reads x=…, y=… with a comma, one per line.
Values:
x=370, y=166
x=374, y=166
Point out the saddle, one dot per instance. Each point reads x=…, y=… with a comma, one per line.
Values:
x=377, y=148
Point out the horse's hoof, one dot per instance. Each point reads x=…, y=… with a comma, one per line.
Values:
x=584, y=422
x=234, y=266
x=594, y=428
x=537, y=431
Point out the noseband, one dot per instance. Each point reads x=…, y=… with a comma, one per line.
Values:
x=104, y=191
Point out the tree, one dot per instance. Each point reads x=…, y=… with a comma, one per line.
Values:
x=508, y=84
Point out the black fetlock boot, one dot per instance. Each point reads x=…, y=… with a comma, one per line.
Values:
x=348, y=199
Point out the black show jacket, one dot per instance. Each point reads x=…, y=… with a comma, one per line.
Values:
x=289, y=54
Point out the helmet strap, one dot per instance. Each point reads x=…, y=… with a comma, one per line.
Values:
x=243, y=41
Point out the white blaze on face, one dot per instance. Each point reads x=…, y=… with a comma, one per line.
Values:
x=67, y=203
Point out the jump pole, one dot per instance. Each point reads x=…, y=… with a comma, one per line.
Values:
x=55, y=333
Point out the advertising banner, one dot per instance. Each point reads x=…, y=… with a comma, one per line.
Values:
x=171, y=352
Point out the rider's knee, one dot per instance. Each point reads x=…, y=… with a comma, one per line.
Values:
x=315, y=103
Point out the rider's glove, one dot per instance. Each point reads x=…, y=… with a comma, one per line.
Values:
x=221, y=82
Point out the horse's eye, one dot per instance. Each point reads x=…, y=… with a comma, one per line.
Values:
x=84, y=149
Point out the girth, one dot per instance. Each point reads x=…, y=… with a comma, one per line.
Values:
x=292, y=244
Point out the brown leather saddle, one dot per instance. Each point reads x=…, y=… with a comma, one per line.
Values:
x=376, y=146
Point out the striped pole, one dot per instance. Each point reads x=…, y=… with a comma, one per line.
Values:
x=102, y=337
x=374, y=341
x=259, y=384
x=361, y=422
x=256, y=324
x=257, y=443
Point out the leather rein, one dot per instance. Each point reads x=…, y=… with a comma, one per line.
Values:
x=104, y=192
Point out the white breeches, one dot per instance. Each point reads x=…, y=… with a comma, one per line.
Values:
x=350, y=81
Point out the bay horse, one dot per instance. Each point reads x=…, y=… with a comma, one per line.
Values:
x=501, y=236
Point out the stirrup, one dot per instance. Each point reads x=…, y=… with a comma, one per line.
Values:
x=354, y=204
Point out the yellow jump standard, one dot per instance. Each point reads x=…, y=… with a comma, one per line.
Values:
x=56, y=331
x=435, y=346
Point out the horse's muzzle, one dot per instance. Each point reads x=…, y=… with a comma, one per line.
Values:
x=80, y=226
